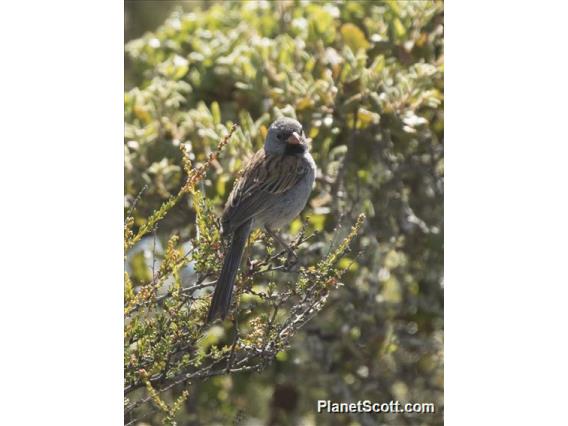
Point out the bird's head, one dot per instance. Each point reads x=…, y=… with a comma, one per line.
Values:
x=285, y=136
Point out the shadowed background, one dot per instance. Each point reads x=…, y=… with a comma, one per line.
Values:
x=366, y=81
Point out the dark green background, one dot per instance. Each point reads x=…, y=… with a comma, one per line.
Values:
x=366, y=79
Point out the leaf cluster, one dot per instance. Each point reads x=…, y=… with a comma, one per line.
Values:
x=366, y=81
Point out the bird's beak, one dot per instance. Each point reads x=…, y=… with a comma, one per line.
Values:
x=295, y=139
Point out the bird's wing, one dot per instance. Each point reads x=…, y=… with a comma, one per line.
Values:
x=264, y=178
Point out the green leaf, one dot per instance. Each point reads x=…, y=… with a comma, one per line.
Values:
x=216, y=113
x=354, y=37
x=399, y=29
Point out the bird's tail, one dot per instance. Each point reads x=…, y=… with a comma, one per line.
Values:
x=224, y=289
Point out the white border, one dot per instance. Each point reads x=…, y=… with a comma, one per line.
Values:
x=61, y=172
x=506, y=210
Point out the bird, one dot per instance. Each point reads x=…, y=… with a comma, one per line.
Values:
x=273, y=189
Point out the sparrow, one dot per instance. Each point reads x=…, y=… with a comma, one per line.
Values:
x=272, y=190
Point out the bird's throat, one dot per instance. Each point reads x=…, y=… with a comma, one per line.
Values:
x=295, y=149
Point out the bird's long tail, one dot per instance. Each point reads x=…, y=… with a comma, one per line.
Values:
x=224, y=289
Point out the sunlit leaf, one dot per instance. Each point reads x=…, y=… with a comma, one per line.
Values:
x=354, y=37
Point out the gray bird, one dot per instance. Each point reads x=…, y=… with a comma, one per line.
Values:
x=273, y=189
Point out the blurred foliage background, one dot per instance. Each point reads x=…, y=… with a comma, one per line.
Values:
x=366, y=81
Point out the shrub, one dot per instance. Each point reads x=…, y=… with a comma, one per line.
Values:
x=366, y=80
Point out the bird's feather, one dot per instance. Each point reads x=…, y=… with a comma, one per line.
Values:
x=224, y=289
x=264, y=178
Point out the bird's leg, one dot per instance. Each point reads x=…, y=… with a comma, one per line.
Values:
x=292, y=257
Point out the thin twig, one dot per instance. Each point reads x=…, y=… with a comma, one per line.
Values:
x=136, y=200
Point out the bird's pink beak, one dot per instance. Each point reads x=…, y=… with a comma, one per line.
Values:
x=294, y=139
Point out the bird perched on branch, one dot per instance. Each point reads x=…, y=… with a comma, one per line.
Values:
x=273, y=189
